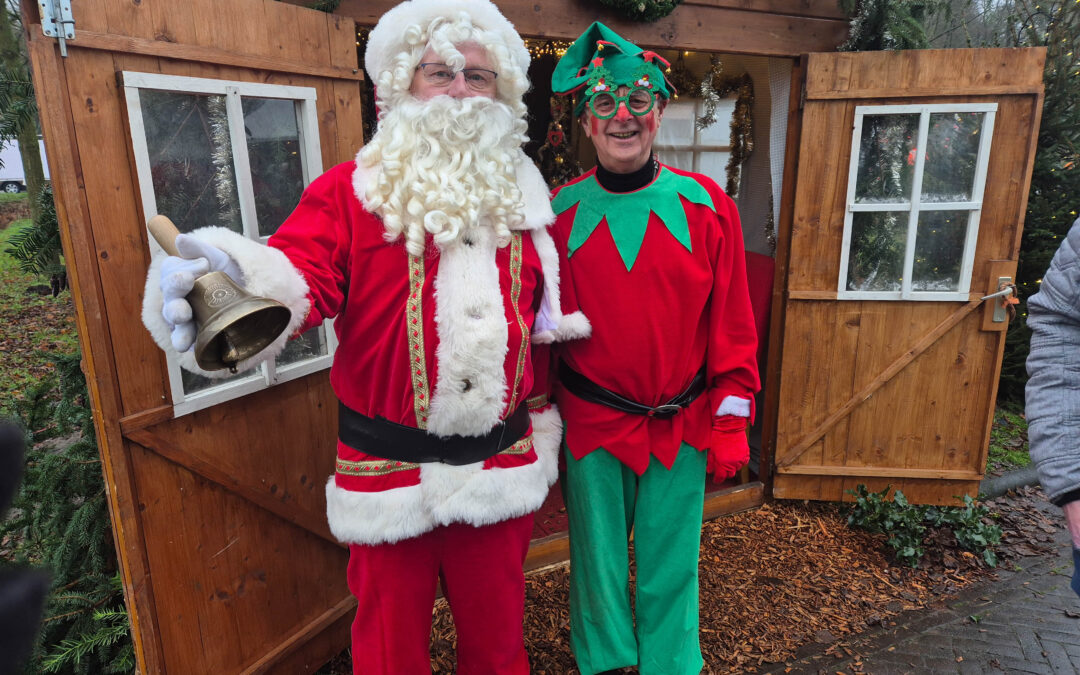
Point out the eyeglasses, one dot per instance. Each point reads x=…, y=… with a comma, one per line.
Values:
x=639, y=101
x=441, y=75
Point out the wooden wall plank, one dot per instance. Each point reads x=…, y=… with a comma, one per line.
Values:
x=823, y=10
x=77, y=237
x=225, y=563
x=697, y=27
x=120, y=245
x=918, y=72
x=783, y=261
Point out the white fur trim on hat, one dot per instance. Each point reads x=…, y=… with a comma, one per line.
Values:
x=386, y=40
x=267, y=273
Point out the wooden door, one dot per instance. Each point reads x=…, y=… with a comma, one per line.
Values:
x=218, y=514
x=912, y=178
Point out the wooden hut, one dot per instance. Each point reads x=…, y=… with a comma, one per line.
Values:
x=880, y=359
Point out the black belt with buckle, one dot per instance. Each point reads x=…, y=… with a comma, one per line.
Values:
x=388, y=440
x=585, y=389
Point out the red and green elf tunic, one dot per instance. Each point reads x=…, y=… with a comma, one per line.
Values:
x=660, y=274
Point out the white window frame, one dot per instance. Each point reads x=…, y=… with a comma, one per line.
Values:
x=695, y=147
x=304, y=98
x=973, y=207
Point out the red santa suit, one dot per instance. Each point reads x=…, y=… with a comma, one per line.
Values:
x=439, y=342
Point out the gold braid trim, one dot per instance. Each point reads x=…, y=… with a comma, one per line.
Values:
x=519, y=448
x=515, y=294
x=537, y=402
x=414, y=329
x=373, y=468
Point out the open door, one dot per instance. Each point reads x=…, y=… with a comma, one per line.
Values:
x=212, y=113
x=909, y=199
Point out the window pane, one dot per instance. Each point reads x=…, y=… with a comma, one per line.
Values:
x=680, y=159
x=194, y=383
x=876, y=259
x=191, y=162
x=678, y=126
x=719, y=132
x=714, y=165
x=886, y=159
x=952, y=149
x=939, y=250
x=277, y=174
x=308, y=345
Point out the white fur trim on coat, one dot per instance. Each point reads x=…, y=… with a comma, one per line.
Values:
x=387, y=39
x=470, y=387
x=551, y=324
x=267, y=273
x=537, y=211
x=449, y=494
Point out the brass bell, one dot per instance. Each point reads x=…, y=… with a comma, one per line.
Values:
x=233, y=324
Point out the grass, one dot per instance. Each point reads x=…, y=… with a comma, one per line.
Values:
x=31, y=326
x=1008, y=442
x=6, y=197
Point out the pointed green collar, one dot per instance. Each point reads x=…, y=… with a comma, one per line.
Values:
x=627, y=213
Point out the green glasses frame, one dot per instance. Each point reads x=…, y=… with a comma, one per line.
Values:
x=621, y=99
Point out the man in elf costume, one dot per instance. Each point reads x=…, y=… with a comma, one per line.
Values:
x=431, y=252
x=663, y=389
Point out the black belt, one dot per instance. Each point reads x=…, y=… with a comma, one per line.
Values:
x=380, y=437
x=586, y=389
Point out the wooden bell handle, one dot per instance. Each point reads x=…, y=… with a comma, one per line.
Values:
x=164, y=233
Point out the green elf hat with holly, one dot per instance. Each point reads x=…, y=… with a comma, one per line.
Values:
x=602, y=61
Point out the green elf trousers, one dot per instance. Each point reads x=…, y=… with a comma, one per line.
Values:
x=605, y=501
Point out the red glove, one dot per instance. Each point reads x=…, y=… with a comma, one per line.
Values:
x=729, y=450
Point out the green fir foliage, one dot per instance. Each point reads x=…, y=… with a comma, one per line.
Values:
x=60, y=521
x=37, y=248
x=1054, y=197
x=905, y=524
x=643, y=10
x=889, y=24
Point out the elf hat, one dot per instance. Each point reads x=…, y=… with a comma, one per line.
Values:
x=602, y=60
x=399, y=39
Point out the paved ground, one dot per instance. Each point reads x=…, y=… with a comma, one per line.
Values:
x=1027, y=621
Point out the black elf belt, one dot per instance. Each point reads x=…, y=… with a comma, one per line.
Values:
x=587, y=390
x=380, y=437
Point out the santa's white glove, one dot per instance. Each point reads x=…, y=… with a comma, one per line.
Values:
x=178, y=275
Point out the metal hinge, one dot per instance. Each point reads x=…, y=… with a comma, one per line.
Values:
x=57, y=21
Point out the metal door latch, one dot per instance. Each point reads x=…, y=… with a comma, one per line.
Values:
x=1005, y=306
x=57, y=21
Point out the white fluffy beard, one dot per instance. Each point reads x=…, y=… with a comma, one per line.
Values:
x=443, y=167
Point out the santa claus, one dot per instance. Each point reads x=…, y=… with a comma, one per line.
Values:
x=430, y=251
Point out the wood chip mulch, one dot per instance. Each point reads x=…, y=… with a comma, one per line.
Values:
x=786, y=578
x=772, y=580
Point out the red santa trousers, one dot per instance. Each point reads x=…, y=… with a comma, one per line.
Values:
x=481, y=571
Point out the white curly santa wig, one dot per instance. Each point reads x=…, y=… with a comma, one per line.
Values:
x=401, y=36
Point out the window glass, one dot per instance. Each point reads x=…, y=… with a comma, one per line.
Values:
x=719, y=132
x=191, y=161
x=886, y=159
x=939, y=249
x=309, y=345
x=277, y=172
x=878, y=241
x=677, y=125
x=952, y=150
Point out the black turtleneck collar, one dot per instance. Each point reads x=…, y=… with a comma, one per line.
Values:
x=628, y=182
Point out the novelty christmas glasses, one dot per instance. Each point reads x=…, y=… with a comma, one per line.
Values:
x=639, y=101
